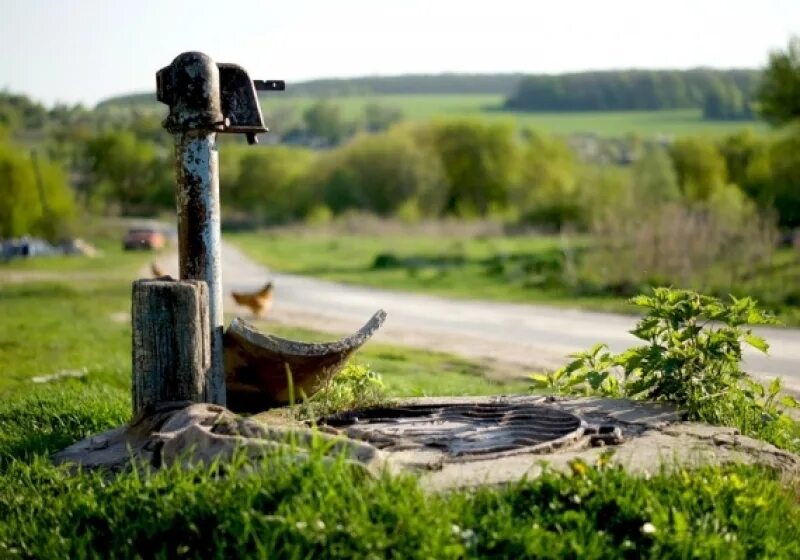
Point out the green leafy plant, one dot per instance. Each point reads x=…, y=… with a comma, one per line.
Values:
x=692, y=357
x=356, y=386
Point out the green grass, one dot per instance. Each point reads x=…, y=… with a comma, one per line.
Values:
x=111, y=261
x=73, y=316
x=603, y=123
x=351, y=258
x=313, y=509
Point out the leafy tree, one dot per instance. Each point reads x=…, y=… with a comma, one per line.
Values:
x=604, y=190
x=18, y=111
x=546, y=192
x=129, y=173
x=725, y=102
x=633, y=89
x=781, y=186
x=699, y=165
x=381, y=172
x=380, y=117
x=272, y=183
x=655, y=180
x=480, y=162
x=30, y=207
x=779, y=93
x=740, y=150
x=324, y=120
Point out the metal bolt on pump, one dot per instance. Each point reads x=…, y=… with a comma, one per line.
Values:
x=205, y=98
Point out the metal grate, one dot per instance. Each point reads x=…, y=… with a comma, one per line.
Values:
x=462, y=431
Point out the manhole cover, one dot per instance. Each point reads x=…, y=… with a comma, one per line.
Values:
x=462, y=431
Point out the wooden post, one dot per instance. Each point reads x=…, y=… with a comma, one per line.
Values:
x=171, y=342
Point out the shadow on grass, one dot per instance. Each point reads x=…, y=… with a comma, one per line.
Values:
x=538, y=268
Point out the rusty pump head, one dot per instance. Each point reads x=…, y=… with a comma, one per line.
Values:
x=203, y=95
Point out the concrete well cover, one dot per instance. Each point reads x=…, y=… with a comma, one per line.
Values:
x=469, y=441
x=463, y=431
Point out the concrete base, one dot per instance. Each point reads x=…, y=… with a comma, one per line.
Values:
x=654, y=437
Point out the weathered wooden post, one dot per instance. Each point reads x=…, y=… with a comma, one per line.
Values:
x=171, y=342
x=175, y=356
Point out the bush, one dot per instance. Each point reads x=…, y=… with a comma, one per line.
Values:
x=128, y=174
x=547, y=190
x=355, y=386
x=480, y=163
x=700, y=167
x=709, y=247
x=380, y=173
x=25, y=208
x=273, y=183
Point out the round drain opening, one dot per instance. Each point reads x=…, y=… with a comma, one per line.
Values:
x=462, y=431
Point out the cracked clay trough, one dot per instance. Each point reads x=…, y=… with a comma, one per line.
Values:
x=468, y=441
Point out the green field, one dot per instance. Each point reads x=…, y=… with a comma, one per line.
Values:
x=420, y=107
x=604, y=123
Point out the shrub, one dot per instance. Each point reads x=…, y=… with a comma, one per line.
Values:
x=479, y=161
x=273, y=183
x=709, y=247
x=700, y=167
x=380, y=173
x=355, y=386
x=547, y=189
x=27, y=209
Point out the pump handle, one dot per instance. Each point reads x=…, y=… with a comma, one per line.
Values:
x=269, y=85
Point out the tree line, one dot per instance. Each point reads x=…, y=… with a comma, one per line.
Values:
x=406, y=84
x=722, y=93
x=465, y=168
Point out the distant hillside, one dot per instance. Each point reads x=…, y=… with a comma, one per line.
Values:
x=128, y=101
x=717, y=91
x=721, y=94
x=410, y=84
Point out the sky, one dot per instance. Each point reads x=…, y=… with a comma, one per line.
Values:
x=83, y=51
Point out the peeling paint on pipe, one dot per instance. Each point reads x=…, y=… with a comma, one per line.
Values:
x=197, y=197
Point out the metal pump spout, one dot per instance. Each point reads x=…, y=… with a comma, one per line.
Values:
x=202, y=95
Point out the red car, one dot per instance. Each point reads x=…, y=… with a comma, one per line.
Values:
x=148, y=239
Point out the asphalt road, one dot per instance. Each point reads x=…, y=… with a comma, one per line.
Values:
x=525, y=337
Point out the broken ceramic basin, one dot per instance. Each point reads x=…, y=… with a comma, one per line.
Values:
x=259, y=366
